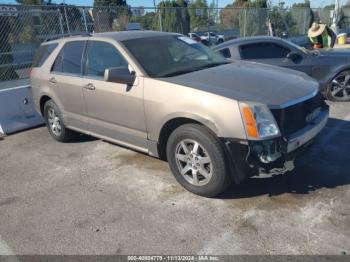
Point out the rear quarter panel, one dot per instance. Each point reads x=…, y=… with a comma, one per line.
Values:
x=39, y=80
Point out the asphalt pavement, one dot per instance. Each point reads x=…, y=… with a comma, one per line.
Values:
x=93, y=197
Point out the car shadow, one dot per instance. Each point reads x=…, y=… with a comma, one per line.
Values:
x=82, y=138
x=326, y=164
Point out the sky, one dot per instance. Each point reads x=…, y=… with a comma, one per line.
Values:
x=149, y=3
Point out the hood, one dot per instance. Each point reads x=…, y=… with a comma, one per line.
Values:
x=247, y=81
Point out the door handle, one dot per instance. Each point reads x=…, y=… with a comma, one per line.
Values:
x=90, y=86
x=52, y=80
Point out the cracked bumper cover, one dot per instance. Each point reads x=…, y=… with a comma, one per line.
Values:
x=249, y=158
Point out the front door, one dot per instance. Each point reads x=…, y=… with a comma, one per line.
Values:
x=114, y=110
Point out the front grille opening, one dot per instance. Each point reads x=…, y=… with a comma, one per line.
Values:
x=292, y=119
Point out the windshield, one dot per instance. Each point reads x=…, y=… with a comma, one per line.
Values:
x=172, y=55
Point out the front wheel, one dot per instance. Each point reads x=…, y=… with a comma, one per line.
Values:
x=198, y=161
x=339, y=88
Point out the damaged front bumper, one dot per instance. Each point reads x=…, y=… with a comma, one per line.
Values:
x=274, y=156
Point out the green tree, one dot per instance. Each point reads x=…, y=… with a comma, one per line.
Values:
x=198, y=13
x=183, y=16
x=253, y=18
x=282, y=21
x=229, y=16
x=303, y=16
x=148, y=21
x=116, y=14
x=105, y=3
x=174, y=16
x=30, y=2
x=7, y=72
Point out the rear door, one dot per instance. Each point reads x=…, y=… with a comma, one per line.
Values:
x=274, y=54
x=66, y=82
x=114, y=110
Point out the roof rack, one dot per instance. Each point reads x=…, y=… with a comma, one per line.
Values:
x=54, y=37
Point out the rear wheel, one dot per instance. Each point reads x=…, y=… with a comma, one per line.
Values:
x=198, y=161
x=339, y=88
x=55, y=125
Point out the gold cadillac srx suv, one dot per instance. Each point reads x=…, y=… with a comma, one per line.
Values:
x=168, y=96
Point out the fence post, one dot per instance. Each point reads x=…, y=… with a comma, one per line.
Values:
x=98, y=20
x=65, y=14
x=84, y=17
x=160, y=20
x=60, y=21
x=245, y=22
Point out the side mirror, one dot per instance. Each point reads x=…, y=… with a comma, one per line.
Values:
x=294, y=56
x=119, y=75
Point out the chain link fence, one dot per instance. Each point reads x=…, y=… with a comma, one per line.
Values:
x=23, y=28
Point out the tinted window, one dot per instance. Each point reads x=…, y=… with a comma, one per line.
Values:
x=225, y=52
x=42, y=54
x=165, y=56
x=100, y=56
x=57, y=66
x=69, y=58
x=263, y=51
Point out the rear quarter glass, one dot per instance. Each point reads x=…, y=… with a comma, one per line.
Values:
x=42, y=54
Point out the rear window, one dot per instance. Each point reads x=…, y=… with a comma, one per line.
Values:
x=42, y=54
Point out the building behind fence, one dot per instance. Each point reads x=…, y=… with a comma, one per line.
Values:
x=23, y=28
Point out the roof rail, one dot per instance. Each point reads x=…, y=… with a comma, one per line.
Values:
x=54, y=37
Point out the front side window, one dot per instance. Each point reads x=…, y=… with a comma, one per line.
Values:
x=101, y=56
x=263, y=51
x=70, y=57
x=165, y=56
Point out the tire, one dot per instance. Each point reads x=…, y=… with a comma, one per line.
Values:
x=339, y=88
x=54, y=123
x=205, y=42
x=207, y=179
x=220, y=41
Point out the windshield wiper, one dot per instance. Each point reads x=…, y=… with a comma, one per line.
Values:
x=190, y=70
x=179, y=72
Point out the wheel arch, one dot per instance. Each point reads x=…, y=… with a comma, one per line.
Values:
x=171, y=124
x=337, y=72
x=42, y=102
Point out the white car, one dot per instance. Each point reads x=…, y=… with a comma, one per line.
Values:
x=212, y=38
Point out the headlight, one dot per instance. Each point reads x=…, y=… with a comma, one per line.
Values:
x=258, y=121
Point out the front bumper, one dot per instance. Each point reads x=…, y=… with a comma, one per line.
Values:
x=308, y=133
x=250, y=158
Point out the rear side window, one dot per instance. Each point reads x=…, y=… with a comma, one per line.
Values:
x=100, y=56
x=225, y=52
x=263, y=51
x=70, y=57
x=42, y=54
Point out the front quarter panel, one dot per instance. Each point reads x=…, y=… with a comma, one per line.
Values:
x=166, y=101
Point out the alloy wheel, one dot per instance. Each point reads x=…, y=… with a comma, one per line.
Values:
x=54, y=122
x=193, y=162
x=340, y=87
